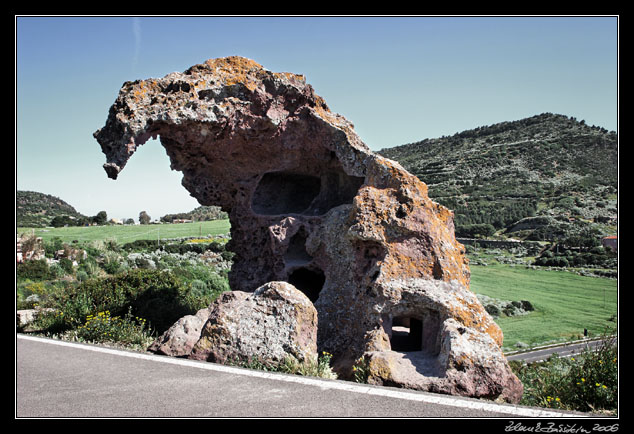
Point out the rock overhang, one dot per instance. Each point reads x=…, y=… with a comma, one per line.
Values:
x=309, y=204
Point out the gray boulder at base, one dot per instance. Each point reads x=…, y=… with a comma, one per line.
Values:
x=181, y=337
x=268, y=325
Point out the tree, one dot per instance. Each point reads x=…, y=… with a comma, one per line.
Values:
x=476, y=230
x=144, y=218
x=101, y=218
x=61, y=220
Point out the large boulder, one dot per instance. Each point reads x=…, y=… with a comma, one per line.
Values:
x=272, y=323
x=311, y=205
x=181, y=337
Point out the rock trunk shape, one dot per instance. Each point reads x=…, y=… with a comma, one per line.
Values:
x=311, y=205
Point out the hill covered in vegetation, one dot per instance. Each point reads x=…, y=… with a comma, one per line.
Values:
x=33, y=209
x=200, y=214
x=547, y=177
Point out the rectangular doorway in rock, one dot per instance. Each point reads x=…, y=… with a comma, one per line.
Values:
x=407, y=334
x=414, y=331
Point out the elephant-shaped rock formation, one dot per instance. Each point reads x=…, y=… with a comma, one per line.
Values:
x=311, y=205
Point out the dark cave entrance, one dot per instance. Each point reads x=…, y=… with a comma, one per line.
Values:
x=309, y=281
x=290, y=192
x=285, y=193
x=407, y=334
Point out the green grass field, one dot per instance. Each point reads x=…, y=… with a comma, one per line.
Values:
x=127, y=234
x=565, y=303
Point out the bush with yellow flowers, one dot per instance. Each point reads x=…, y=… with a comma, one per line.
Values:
x=587, y=382
x=102, y=327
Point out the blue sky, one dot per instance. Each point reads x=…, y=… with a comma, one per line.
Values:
x=398, y=79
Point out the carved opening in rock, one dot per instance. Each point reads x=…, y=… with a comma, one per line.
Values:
x=415, y=333
x=289, y=192
x=337, y=188
x=407, y=334
x=296, y=253
x=309, y=281
x=285, y=193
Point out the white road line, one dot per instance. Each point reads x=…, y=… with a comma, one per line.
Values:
x=324, y=384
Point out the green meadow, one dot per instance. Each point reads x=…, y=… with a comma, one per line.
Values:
x=126, y=234
x=565, y=303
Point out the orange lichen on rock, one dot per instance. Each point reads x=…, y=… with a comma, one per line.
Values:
x=473, y=315
x=233, y=70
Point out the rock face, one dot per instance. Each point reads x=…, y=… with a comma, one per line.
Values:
x=311, y=205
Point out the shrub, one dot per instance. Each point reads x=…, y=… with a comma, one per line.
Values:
x=67, y=265
x=154, y=295
x=52, y=246
x=593, y=382
x=509, y=310
x=198, y=287
x=56, y=271
x=112, y=267
x=492, y=310
x=588, y=382
x=34, y=270
x=290, y=365
x=361, y=370
x=89, y=265
x=140, y=245
x=227, y=255
x=103, y=327
x=50, y=322
x=202, y=293
x=320, y=368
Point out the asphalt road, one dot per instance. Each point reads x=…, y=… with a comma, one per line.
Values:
x=56, y=379
x=563, y=351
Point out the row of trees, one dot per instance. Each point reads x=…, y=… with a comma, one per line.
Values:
x=63, y=220
x=100, y=219
x=202, y=213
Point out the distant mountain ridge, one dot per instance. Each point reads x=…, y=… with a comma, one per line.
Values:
x=545, y=177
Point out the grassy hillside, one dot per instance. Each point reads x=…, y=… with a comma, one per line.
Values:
x=546, y=177
x=35, y=209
